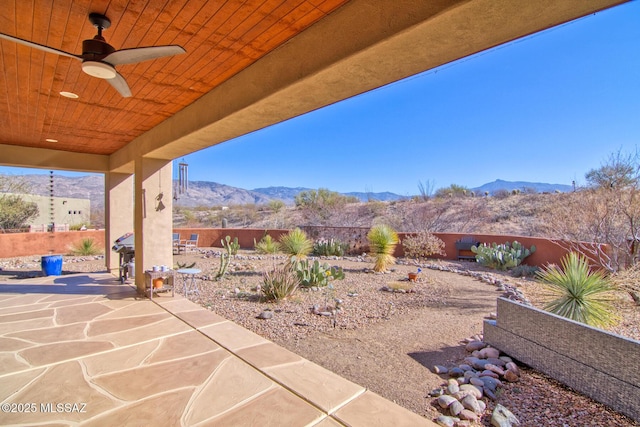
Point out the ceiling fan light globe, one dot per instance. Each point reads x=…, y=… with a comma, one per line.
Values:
x=98, y=69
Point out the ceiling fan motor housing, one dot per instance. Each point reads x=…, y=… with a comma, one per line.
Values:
x=97, y=48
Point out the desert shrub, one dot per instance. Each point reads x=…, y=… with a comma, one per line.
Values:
x=579, y=294
x=501, y=257
x=279, y=283
x=524, y=270
x=323, y=206
x=382, y=244
x=276, y=205
x=86, y=247
x=296, y=243
x=422, y=245
x=628, y=280
x=453, y=190
x=330, y=247
x=266, y=245
x=316, y=274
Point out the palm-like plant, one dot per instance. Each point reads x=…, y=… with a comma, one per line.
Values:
x=296, y=243
x=382, y=243
x=580, y=294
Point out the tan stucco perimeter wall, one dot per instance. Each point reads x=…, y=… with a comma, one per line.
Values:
x=210, y=237
x=60, y=243
x=547, y=250
x=602, y=365
x=25, y=244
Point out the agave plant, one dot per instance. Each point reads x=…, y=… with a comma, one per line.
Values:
x=86, y=247
x=296, y=243
x=382, y=243
x=580, y=294
x=266, y=245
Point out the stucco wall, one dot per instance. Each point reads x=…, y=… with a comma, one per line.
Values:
x=21, y=244
x=26, y=244
x=599, y=364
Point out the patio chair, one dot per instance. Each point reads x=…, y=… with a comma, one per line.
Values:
x=191, y=243
x=178, y=246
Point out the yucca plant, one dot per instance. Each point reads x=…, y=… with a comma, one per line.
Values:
x=382, y=244
x=280, y=283
x=86, y=247
x=266, y=245
x=296, y=243
x=580, y=294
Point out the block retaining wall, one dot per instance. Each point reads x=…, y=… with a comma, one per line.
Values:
x=599, y=364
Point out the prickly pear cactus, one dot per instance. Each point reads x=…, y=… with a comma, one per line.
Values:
x=502, y=257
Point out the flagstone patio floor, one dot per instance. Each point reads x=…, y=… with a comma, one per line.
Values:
x=83, y=349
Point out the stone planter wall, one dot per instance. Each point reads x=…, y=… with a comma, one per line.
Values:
x=599, y=364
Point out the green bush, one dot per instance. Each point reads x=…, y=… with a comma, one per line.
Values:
x=315, y=274
x=331, y=247
x=266, y=245
x=502, y=257
x=382, y=244
x=296, y=243
x=280, y=283
x=581, y=295
x=86, y=247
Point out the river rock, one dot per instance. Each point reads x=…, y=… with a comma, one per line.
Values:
x=447, y=421
x=456, y=372
x=488, y=352
x=439, y=369
x=266, y=314
x=512, y=367
x=472, y=389
x=475, y=345
x=511, y=376
x=452, y=386
x=497, y=362
x=493, y=368
x=455, y=408
x=466, y=414
x=502, y=417
x=476, y=381
x=445, y=400
x=471, y=403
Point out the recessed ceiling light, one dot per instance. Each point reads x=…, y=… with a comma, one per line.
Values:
x=69, y=95
x=51, y=140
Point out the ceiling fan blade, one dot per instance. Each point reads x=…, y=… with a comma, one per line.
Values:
x=139, y=54
x=38, y=46
x=120, y=84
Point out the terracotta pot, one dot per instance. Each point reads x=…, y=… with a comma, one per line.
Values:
x=158, y=283
x=413, y=277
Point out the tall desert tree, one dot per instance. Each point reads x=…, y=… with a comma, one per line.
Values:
x=620, y=171
x=606, y=212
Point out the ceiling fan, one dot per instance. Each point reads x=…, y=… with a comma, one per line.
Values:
x=99, y=58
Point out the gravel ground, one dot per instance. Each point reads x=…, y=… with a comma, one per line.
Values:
x=384, y=341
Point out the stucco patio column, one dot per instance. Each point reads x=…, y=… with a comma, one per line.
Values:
x=118, y=213
x=153, y=215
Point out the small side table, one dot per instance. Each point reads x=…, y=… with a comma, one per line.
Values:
x=189, y=280
x=167, y=282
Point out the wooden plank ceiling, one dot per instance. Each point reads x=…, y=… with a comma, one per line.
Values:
x=221, y=38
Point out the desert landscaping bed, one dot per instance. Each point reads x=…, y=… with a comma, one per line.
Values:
x=385, y=341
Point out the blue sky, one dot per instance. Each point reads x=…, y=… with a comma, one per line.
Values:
x=546, y=108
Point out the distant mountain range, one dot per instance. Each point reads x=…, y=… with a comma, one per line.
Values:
x=537, y=187
x=206, y=193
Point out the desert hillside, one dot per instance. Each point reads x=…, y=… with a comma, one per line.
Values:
x=520, y=214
